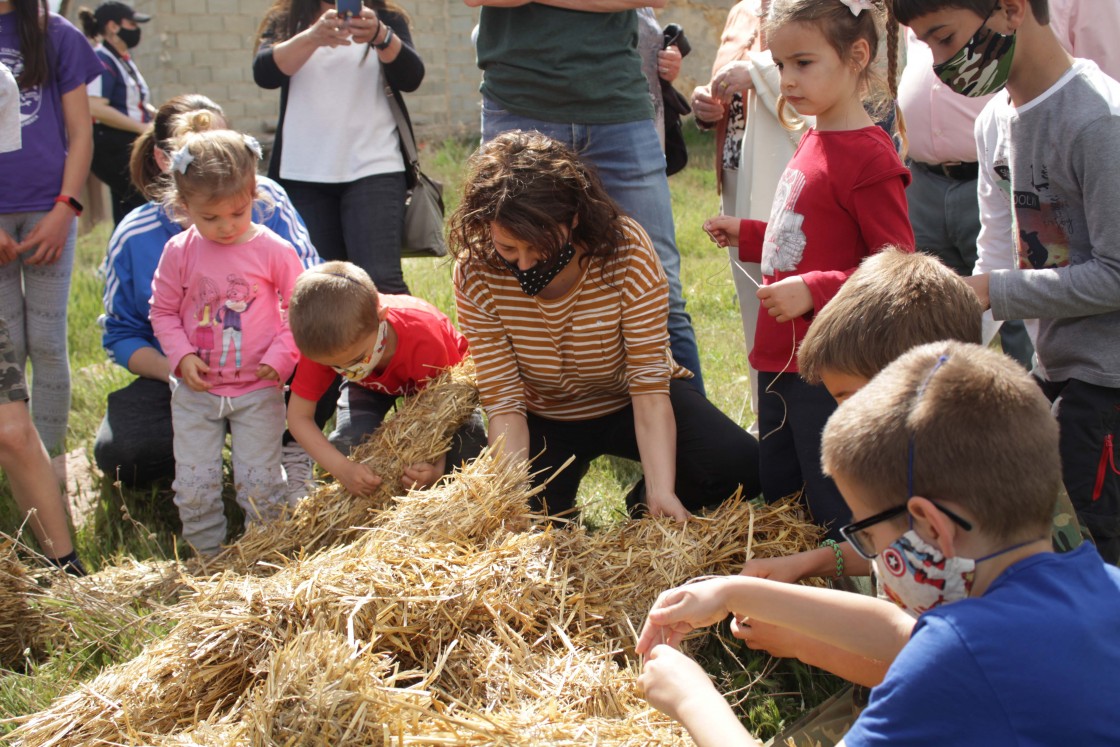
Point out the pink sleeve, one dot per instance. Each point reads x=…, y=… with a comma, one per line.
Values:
x=282, y=355
x=880, y=211
x=166, y=303
x=751, y=234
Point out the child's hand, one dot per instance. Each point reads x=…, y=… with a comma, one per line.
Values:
x=773, y=639
x=788, y=569
x=267, y=373
x=423, y=474
x=358, y=479
x=669, y=678
x=679, y=611
x=723, y=230
x=980, y=285
x=193, y=371
x=787, y=299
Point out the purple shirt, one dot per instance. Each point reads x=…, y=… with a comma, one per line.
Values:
x=31, y=177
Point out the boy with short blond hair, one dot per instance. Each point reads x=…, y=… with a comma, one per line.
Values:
x=385, y=346
x=894, y=301
x=1047, y=150
x=949, y=462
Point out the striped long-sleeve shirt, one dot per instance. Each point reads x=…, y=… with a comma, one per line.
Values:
x=577, y=357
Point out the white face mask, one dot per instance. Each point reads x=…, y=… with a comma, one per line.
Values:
x=917, y=576
x=363, y=368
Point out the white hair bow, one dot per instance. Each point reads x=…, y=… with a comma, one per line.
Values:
x=181, y=159
x=857, y=6
x=254, y=145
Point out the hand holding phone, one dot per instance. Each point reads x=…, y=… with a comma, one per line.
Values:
x=347, y=9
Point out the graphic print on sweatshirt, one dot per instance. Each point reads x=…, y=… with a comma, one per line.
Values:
x=784, y=244
x=239, y=297
x=1039, y=217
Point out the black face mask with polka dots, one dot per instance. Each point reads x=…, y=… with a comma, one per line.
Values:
x=536, y=278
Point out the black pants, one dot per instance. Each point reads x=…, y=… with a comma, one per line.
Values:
x=1089, y=422
x=112, y=149
x=714, y=455
x=791, y=418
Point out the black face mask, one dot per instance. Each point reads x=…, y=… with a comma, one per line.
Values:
x=536, y=278
x=130, y=37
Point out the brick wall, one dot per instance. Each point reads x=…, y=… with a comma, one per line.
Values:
x=206, y=46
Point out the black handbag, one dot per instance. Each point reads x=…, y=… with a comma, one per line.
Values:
x=675, y=106
x=422, y=235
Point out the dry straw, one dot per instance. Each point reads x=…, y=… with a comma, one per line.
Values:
x=441, y=617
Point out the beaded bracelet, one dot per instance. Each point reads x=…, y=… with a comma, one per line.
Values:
x=839, y=556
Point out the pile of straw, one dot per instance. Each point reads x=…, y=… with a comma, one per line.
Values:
x=420, y=431
x=25, y=628
x=449, y=620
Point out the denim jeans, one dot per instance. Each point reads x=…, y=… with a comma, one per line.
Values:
x=631, y=165
x=359, y=221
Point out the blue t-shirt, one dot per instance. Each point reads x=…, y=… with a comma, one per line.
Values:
x=1034, y=661
x=31, y=177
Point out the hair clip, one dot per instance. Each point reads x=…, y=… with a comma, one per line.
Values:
x=181, y=159
x=857, y=6
x=254, y=145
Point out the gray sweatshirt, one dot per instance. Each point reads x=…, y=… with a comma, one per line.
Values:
x=1050, y=174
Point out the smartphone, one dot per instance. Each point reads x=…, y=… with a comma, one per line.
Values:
x=349, y=8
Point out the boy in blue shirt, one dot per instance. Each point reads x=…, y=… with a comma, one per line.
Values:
x=1048, y=188
x=949, y=462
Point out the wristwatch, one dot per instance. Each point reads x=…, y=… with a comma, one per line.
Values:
x=384, y=42
x=72, y=203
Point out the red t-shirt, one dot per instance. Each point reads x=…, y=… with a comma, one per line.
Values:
x=841, y=198
x=427, y=343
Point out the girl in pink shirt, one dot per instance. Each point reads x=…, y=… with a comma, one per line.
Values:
x=219, y=310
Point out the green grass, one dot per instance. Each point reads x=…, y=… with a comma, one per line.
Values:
x=142, y=524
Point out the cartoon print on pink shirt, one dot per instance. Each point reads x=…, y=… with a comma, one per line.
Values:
x=785, y=240
x=239, y=297
x=206, y=317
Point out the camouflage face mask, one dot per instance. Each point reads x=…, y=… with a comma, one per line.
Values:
x=981, y=66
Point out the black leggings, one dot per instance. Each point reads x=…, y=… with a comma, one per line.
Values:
x=714, y=455
x=112, y=149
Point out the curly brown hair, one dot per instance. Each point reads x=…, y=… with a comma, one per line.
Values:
x=535, y=187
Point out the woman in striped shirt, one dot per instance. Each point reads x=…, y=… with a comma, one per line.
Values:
x=565, y=306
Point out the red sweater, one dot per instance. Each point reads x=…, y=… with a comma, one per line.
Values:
x=427, y=343
x=841, y=198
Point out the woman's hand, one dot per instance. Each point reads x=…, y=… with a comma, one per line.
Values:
x=49, y=235
x=677, y=612
x=787, y=299
x=365, y=27
x=193, y=371
x=330, y=31
x=669, y=63
x=9, y=249
x=705, y=106
x=732, y=78
x=723, y=230
x=667, y=505
x=357, y=478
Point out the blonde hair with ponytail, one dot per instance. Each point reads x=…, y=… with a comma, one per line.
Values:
x=209, y=164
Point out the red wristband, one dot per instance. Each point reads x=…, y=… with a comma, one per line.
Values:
x=70, y=202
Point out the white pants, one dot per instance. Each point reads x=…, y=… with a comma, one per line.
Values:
x=256, y=423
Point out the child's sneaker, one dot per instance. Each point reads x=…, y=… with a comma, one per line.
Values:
x=299, y=472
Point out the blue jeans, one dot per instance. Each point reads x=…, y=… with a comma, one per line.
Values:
x=359, y=221
x=631, y=165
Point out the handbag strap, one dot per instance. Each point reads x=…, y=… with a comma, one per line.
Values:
x=405, y=131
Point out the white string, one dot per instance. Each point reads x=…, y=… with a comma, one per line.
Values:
x=792, y=352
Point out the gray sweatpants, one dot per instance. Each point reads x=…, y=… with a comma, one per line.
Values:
x=33, y=301
x=256, y=421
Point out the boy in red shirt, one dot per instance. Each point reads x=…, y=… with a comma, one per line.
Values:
x=385, y=347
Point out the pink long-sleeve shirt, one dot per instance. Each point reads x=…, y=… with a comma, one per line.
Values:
x=229, y=306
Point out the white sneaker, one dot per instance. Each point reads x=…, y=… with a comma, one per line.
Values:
x=299, y=472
